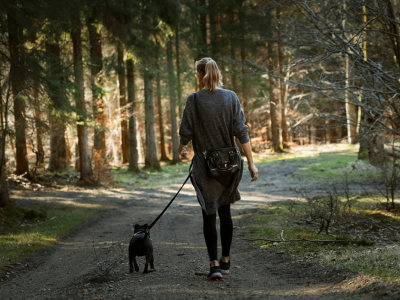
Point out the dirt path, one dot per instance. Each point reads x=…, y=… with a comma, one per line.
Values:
x=70, y=269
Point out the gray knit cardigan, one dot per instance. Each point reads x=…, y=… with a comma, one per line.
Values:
x=216, y=110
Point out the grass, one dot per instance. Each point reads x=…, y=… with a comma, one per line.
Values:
x=356, y=253
x=169, y=174
x=332, y=163
x=313, y=166
x=20, y=237
x=334, y=167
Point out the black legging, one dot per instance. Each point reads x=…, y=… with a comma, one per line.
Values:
x=210, y=231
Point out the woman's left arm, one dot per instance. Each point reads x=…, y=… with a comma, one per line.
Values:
x=186, y=127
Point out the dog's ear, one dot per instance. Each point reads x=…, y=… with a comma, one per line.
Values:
x=136, y=226
x=146, y=225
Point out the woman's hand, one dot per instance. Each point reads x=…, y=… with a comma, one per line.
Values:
x=182, y=150
x=253, y=172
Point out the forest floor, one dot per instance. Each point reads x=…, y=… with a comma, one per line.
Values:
x=75, y=267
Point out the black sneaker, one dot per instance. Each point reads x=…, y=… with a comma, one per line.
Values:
x=224, y=267
x=215, y=273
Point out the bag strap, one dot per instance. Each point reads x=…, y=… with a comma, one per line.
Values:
x=197, y=113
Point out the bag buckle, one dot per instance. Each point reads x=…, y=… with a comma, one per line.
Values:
x=205, y=154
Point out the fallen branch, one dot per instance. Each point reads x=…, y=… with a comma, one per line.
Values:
x=297, y=240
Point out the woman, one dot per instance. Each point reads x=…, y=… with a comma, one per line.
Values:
x=216, y=108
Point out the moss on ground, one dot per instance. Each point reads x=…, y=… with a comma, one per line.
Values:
x=169, y=174
x=21, y=236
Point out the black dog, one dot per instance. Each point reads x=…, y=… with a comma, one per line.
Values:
x=141, y=245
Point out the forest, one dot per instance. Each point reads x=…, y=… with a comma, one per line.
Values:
x=92, y=93
x=106, y=81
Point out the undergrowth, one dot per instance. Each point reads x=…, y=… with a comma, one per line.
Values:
x=369, y=239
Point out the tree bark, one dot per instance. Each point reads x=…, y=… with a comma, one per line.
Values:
x=84, y=155
x=38, y=125
x=122, y=104
x=151, y=149
x=4, y=195
x=160, y=121
x=351, y=119
x=213, y=27
x=178, y=72
x=245, y=100
x=96, y=67
x=58, y=148
x=203, y=31
x=17, y=83
x=274, y=98
x=133, y=151
x=232, y=53
x=284, y=128
x=172, y=103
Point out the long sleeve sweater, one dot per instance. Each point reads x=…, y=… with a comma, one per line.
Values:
x=218, y=111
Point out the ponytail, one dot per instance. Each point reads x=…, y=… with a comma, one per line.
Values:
x=212, y=77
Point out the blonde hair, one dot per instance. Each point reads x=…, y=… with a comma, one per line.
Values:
x=212, y=77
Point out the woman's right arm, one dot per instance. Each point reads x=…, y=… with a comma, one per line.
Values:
x=240, y=130
x=252, y=168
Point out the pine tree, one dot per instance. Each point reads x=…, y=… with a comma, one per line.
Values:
x=133, y=151
x=84, y=155
x=172, y=102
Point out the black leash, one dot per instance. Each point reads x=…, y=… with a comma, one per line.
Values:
x=172, y=200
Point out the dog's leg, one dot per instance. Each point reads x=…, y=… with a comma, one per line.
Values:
x=136, y=265
x=148, y=260
x=152, y=263
x=130, y=264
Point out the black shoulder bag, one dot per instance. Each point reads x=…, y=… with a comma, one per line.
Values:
x=220, y=162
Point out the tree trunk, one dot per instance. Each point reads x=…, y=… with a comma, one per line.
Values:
x=233, y=76
x=232, y=53
x=58, y=148
x=172, y=103
x=17, y=84
x=351, y=115
x=274, y=98
x=212, y=19
x=160, y=120
x=178, y=72
x=133, y=151
x=122, y=105
x=58, y=145
x=351, y=119
x=151, y=149
x=38, y=125
x=84, y=155
x=96, y=61
x=203, y=31
x=282, y=101
x=245, y=100
x=4, y=195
